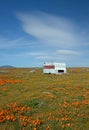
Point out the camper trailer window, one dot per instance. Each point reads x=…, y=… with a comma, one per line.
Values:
x=60, y=71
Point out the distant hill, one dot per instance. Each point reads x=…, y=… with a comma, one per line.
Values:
x=7, y=66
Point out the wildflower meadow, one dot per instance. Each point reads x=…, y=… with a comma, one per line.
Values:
x=32, y=100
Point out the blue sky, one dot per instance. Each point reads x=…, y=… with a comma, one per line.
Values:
x=36, y=31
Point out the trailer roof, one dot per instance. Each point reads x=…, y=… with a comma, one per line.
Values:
x=54, y=63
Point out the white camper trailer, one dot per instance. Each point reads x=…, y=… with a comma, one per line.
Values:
x=54, y=68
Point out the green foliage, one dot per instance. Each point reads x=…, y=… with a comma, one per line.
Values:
x=34, y=103
x=81, y=98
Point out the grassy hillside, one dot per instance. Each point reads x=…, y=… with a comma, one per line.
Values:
x=31, y=100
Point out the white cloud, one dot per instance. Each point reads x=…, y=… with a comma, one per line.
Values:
x=49, y=29
x=63, y=39
x=44, y=57
x=68, y=52
x=53, y=39
x=35, y=53
x=21, y=42
x=7, y=43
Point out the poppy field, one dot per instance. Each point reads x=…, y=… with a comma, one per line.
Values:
x=31, y=100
